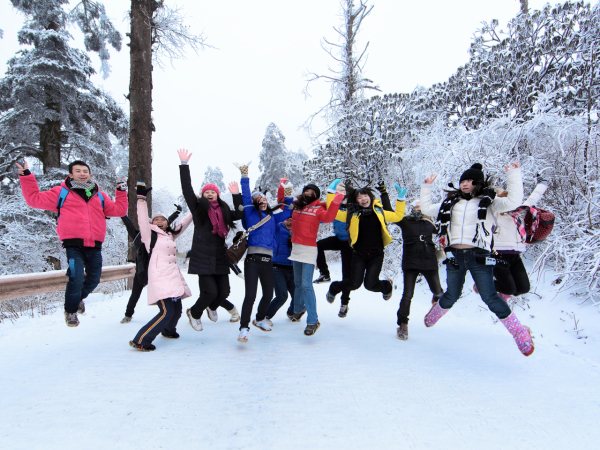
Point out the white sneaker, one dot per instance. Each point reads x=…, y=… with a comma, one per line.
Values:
x=195, y=323
x=235, y=315
x=243, y=336
x=269, y=321
x=212, y=314
x=262, y=325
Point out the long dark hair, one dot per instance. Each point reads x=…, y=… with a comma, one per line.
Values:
x=478, y=186
x=302, y=201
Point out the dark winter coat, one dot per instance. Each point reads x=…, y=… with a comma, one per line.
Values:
x=418, y=249
x=208, y=250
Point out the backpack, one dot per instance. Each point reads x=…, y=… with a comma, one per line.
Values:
x=63, y=195
x=534, y=224
x=142, y=259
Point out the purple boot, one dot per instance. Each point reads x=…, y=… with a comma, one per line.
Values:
x=435, y=313
x=521, y=333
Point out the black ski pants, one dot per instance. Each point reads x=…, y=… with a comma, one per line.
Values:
x=410, y=278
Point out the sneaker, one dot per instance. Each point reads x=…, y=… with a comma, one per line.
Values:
x=330, y=297
x=142, y=347
x=195, y=323
x=81, y=307
x=71, y=319
x=387, y=296
x=243, y=336
x=322, y=279
x=269, y=321
x=212, y=314
x=126, y=319
x=311, y=329
x=262, y=324
x=170, y=334
x=402, y=332
x=235, y=315
x=295, y=317
x=343, y=311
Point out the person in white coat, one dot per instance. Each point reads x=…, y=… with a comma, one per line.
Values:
x=510, y=275
x=467, y=224
x=166, y=284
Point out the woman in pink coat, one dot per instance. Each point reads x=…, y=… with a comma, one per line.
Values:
x=166, y=285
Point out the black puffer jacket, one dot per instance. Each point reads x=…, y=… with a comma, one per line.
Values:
x=418, y=249
x=208, y=250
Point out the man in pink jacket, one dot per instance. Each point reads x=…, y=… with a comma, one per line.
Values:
x=81, y=226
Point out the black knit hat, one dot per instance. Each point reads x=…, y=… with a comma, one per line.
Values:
x=314, y=187
x=475, y=173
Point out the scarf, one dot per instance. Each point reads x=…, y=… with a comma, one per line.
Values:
x=87, y=186
x=215, y=214
x=445, y=213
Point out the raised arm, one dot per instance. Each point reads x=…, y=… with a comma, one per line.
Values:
x=31, y=191
x=118, y=207
x=186, y=181
x=427, y=207
x=144, y=224
x=329, y=214
x=132, y=231
x=514, y=186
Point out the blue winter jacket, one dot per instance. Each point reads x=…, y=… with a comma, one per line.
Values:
x=283, y=246
x=340, y=229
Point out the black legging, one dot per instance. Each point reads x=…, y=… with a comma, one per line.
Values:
x=257, y=267
x=510, y=276
x=365, y=267
x=410, y=279
x=214, y=290
x=139, y=281
x=333, y=243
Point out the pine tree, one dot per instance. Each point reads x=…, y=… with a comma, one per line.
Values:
x=214, y=175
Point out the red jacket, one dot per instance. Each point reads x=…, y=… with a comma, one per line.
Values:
x=78, y=219
x=305, y=222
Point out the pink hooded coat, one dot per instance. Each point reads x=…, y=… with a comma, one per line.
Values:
x=165, y=280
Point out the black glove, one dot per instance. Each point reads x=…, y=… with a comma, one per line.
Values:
x=488, y=192
x=178, y=207
x=381, y=187
x=122, y=185
x=141, y=190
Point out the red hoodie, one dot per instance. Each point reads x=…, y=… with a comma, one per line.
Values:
x=305, y=222
x=78, y=219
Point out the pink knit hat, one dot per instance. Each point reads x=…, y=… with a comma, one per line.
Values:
x=211, y=187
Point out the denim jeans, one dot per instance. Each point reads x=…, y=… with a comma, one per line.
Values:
x=283, y=279
x=472, y=260
x=304, y=294
x=85, y=268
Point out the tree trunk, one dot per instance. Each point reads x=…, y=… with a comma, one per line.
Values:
x=50, y=144
x=524, y=6
x=140, y=100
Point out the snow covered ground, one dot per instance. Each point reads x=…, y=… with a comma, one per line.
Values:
x=459, y=385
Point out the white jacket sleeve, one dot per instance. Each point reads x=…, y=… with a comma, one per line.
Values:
x=428, y=208
x=514, y=199
x=536, y=195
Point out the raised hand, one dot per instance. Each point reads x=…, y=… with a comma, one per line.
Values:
x=333, y=185
x=141, y=190
x=122, y=184
x=22, y=168
x=512, y=165
x=184, y=155
x=430, y=179
x=234, y=188
x=401, y=191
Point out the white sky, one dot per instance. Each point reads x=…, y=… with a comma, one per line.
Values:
x=218, y=103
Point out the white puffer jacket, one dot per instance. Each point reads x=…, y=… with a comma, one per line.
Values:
x=507, y=237
x=464, y=224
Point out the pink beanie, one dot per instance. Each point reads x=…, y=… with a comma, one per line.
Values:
x=211, y=187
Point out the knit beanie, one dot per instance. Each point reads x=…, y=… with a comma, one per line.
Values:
x=474, y=173
x=155, y=215
x=211, y=187
x=314, y=187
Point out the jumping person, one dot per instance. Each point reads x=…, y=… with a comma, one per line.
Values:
x=467, y=223
x=166, y=285
x=81, y=226
x=213, y=219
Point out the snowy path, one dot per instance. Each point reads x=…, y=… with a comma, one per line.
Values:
x=462, y=384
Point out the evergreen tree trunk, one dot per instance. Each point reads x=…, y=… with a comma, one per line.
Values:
x=524, y=6
x=140, y=99
x=50, y=144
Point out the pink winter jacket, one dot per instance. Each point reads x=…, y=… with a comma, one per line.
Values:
x=78, y=219
x=164, y=277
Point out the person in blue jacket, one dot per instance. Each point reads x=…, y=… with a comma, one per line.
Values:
x=283, y=273
x=258, y=264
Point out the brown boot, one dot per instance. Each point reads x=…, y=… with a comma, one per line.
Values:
x=402, y=332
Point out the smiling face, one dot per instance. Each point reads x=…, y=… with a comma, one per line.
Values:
x=363, y=200
x=210, y=195
x=261, y=202
x=467, y=186
x=80, y=173
x=160, y=222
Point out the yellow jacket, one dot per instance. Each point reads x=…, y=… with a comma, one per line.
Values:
x=383, y=216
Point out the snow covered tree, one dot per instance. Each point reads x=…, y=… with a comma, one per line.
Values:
x=214, y=175
x=275, y=161
x=49, y=109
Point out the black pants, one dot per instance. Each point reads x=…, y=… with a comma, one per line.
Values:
x=410, y=278
x=365, y=267
x=214, y=290
x=257, y=268
x=166, y=320
x=139, y=282
x=333, y=243
x=510, y=277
